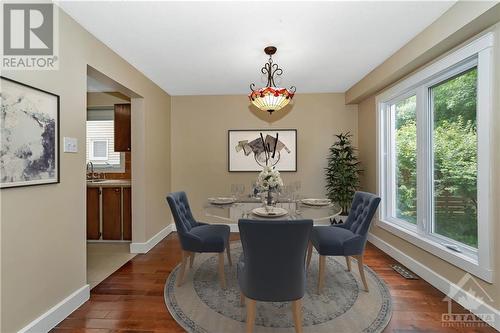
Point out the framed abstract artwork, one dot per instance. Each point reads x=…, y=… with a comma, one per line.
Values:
x=251, y=150
x=29, y=134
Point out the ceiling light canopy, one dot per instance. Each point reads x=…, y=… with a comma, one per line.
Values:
x=271, y=98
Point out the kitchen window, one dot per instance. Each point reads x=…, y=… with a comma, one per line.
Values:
x=433, y=157
x=100, y=142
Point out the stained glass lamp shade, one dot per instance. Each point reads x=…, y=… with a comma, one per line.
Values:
x=271, y=98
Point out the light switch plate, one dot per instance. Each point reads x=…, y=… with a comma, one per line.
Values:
x=70, y=145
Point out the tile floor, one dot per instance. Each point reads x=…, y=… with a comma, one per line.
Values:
x=103, y=259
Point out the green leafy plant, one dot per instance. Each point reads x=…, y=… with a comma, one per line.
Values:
x=342, y=172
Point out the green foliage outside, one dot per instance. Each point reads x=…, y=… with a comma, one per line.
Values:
x=455, y=158
x=342, y=172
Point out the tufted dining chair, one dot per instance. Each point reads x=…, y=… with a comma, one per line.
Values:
x=197, y=237
x=346, y=239
x=272, y=268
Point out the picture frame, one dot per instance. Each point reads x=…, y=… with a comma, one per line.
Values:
x=246, y=151
x=30, y=135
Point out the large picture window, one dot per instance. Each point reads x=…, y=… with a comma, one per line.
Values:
x=433, y=158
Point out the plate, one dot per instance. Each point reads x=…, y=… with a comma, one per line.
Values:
x=221, y=200
x=276, y=212
x=316, y=202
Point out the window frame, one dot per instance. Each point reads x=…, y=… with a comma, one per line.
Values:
x=104, y=167
x=478, y=52
x=391, y=205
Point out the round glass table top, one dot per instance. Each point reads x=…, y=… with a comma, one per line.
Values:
x=296, y=210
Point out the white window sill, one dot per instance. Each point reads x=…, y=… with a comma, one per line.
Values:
x=460, y=260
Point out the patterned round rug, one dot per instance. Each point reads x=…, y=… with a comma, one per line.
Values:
x=201, y=306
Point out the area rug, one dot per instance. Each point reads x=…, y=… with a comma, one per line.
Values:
x=201, y=306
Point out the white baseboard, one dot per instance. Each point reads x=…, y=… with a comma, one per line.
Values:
x=145, y=247
x=447, y=287
x=59, y=312
x=232, y=226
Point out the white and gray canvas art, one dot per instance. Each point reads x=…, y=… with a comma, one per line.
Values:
x=251, y=150
x=29, y=144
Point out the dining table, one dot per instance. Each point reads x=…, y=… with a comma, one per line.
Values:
x=248, y=208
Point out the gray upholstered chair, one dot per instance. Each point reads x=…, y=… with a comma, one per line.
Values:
x=272, y=268
x=197, y=237
x=347, y=239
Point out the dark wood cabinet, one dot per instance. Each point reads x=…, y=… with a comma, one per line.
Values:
x=93, y=213
x=127, y=213
x=111, y=213
x=122, y=127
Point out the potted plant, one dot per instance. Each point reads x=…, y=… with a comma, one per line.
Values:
x=342, y=173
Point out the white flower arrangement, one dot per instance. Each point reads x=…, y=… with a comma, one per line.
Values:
x=269, y=179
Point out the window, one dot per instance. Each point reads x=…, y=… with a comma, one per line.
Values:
x=433, y=157
x=100, y=142
x=405, y=139
x=454, y=150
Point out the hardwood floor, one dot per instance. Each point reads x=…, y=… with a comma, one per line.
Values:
x=131, y=299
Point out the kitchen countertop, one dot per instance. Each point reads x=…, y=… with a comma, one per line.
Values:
x=109, y=183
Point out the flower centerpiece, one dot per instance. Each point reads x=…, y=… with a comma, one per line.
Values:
x=269, y=181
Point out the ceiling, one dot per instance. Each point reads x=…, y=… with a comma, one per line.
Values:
x=214, y=48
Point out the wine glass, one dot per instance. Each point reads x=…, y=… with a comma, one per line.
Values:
x=288, y=193
x=297, y=185
x=255, y=190
x=237, y=190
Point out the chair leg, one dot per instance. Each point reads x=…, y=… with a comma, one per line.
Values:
x=309, y=254
x=321, y=278
x=180, y=278
x=191, y=260
x=250, y=314
x=242, y=299
x=297, y=315
x=222, y=278
x=228, y=251
x=348, y=262
x=362, y=271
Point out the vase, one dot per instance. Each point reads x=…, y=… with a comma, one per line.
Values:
x=271, y=197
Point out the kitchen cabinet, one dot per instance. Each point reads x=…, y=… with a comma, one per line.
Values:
x=93, y=213
x=122, y=127
x=109, y=210
x=127, y=213
x=111, y=213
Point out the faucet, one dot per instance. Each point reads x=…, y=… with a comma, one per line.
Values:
x=91, y=165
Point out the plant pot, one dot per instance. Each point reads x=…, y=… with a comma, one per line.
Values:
x=339, y=219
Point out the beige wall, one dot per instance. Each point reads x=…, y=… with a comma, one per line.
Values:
x=43, y=252
x=95, y=99
x=199, y=140
x=367, y=152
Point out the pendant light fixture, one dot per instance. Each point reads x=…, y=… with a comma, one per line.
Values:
x=271, y=98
